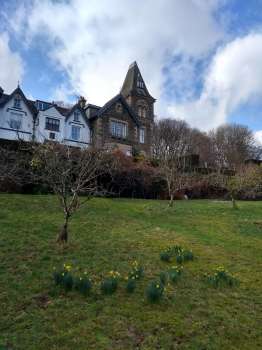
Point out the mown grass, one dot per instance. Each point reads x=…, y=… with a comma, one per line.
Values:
x=107, y=235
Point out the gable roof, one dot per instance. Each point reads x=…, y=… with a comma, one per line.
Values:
x=130, y=83
x=30, y=104
x=111, y=102
x=81, y=110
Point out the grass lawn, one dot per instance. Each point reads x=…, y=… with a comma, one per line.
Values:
x=108, y=234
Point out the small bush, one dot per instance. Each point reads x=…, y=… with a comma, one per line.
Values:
x=166, y=256
x=68, y=282
x=154, y=291
x=188, y=255
x=83, y=285
x=58, y=277
x=175, y=273
x=109, y=285
x=131, y=285
x=180, y=259
x=63, y=277
x=163, y=276
x=221, y=277
x=178, y=253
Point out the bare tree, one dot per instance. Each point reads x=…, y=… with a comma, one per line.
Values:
x=232, y=145
x=70, y=173
x=170, y=148
x=247, y=181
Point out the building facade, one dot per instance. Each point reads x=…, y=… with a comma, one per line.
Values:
x=125, y=122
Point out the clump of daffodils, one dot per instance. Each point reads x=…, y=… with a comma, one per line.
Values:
x=136, y=272
x=221, y=277
x=114, y=274
x=155, y=291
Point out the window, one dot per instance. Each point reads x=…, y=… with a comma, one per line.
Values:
x=52, y=136
x=119, y=108
x=76, y=116
x=52, y=124
x=15, y=124
x=17, y=102
x=75, y=133
x=141, y=111
x=118, y=129
x=40, y=105
x=140, y=83
x=142, y=135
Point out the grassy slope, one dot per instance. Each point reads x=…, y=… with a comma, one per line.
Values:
x=108, y=234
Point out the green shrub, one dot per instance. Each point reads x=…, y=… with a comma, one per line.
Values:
x=221, y=277
x=63, y=277
x=109, y=285
x=83, y=285
x=175, y=273
x=154, y=291
x=163, y=276
x=58, y=277
x=68, y=281
x=178, y=253
x=188, y=255
x=131, y=285
x=166, y=256
x=180, y=259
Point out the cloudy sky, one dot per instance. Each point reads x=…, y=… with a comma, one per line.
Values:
x=201, y=59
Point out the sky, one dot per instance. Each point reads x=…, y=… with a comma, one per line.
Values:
x=201, y=59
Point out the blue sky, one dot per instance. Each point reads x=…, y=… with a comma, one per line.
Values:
x=199, y=58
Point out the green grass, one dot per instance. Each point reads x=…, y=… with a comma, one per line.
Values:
x=107, y=235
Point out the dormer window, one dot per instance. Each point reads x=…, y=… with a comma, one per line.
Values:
x=76, y=116
x=17, y=102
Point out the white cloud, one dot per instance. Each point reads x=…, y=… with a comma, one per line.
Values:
x=234, y=78
x=11, y=65
x=95, y=41
x=258, y=136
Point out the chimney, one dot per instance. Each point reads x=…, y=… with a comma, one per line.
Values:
x=82, y=102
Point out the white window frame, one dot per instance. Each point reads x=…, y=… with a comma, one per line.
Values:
x=118, y=128
x=78, y=134
x=142, y=135
x=76, y=116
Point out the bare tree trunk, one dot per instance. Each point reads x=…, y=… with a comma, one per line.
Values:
x=63, y=235
x=234, y=204
x=171, y=201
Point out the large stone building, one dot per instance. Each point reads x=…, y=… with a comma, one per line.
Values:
x=125, y=122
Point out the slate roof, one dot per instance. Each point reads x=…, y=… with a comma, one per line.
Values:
x=30, y=104
x=66, y=112
x=111, y=102
x=130, y=82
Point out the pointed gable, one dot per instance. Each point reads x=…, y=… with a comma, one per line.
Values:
x=109, y=104
x=18, y=91
x=134, y=83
